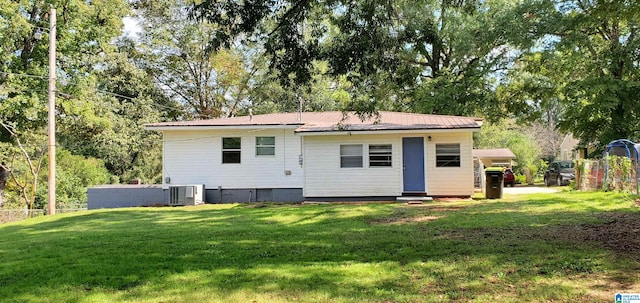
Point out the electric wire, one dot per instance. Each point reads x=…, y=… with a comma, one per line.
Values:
x=24, y=75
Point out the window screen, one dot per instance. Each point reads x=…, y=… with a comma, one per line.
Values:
x=379, y=155
x=265, y=146
x=447, y=155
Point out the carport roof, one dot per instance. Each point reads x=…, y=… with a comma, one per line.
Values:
x=494, y=153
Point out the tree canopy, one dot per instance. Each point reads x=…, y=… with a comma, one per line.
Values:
x=571, y=63
x=549, y=67
x=584, y=73
x=430, y=56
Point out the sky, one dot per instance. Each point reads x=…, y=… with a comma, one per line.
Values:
x=131, y=27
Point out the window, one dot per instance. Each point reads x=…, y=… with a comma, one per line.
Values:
x=447, y=155
x=265, y=146
x=379, y=155
x=351, y=155
x=231, y=150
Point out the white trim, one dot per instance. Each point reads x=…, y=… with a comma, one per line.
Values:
x=219, y=127
x=313, y=133
x=385, y=131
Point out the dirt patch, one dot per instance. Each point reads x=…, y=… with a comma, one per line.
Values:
x=447, y=208
x=397, y=220
x=620, y=232
x=416, y=213
x=431, y=207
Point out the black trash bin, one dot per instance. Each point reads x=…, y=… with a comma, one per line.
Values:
x=494, y=185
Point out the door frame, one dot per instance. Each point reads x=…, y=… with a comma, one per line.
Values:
x=413, y=150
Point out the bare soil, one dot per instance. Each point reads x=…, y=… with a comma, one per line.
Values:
x=619, y=233
x=403, y=220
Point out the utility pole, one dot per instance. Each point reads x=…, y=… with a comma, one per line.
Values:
x=52, y=112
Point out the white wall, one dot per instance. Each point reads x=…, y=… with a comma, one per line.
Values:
x=450, y=181
x=325, y=178
x=195, y=157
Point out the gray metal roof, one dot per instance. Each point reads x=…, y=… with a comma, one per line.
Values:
x=335, y=121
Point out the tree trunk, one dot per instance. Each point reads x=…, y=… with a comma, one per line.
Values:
x=4, y=175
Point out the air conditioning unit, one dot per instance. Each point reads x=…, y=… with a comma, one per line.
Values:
x=186, y=194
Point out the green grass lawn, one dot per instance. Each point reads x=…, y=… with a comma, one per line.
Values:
x=565, y=247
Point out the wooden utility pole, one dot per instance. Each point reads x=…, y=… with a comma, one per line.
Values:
x=52, y=112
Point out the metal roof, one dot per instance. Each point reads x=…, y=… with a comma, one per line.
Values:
x=334, y=121
x=500, y=153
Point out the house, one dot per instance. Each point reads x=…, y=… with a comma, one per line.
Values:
x=325, y=156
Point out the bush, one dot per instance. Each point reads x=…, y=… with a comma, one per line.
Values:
x=521, y=179
x=74, y=174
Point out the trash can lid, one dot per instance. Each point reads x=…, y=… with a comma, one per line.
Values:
x=494, y=169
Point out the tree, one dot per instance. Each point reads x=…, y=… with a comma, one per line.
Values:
x=506, y=134
x=533, y=95
x=96, y=117
x=590, y=60
x=74, y=174
x=433, y=56
x=25, y=161
x=4, y=175
x=321, y=93
x=174, y=49
x=123, y=98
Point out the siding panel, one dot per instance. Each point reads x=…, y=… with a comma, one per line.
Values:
x=195, y=157
x=325, y=178
x=450, y=181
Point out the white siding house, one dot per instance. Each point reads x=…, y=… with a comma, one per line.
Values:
x=325, y=178
x=293, y=157
x=195, y=157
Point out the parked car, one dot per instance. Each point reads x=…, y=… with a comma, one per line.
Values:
x=559, y=173
x=509, y=178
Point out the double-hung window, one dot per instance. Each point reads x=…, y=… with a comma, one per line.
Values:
x=351, y=155
x=379, y=155
x=265, y=146
x=447, y=155
x=231, y=152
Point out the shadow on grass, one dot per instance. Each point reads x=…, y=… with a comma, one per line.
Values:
x=316, y=253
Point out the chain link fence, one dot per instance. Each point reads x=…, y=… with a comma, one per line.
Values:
x=590, y=174
x=12, y=215
x=611, y=173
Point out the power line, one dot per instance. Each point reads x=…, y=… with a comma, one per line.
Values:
x=132, y=98
x=68, y=96
x=24, y=75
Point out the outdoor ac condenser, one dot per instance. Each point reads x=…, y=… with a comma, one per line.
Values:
x=192, y=194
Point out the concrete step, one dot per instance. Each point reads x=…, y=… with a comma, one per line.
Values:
x=414, y=200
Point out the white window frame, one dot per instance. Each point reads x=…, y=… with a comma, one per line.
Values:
x=263, y=146
x=353, y=154
x=379, y=151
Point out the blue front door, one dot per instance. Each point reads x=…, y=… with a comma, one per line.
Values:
x=413, y=164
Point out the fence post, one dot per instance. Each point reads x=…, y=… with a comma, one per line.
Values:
x=598, y=174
